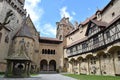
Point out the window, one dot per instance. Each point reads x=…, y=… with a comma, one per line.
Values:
x=95, y=40
x=113, y=14
x=48, y=51
x=93, y=60
x=108, y=34
x=60, y=37
x=51, y=51
x=84, y=45
x=71, y=50
x=43, y=51
x=54, y=52
x=93, y=28
x=0, y=36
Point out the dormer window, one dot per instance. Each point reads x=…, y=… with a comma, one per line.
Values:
x=99, y=17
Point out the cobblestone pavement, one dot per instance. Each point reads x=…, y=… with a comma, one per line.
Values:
x=43, y=77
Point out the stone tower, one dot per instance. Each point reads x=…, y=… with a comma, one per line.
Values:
x=63, y=28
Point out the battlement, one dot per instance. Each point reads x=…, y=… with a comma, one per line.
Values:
x=18, y=6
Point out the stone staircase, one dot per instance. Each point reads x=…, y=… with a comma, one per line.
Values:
x=48, y=72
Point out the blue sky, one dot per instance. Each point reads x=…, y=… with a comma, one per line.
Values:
x=45, y=13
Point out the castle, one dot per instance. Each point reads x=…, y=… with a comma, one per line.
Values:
x=91, y=47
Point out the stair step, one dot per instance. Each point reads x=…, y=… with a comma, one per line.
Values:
x=48, y=72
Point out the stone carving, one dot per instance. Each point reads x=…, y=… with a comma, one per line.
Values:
x=7, y=39
x=6, y=20
x=94, y=69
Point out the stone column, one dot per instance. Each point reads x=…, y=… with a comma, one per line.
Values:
x=114, y=67
x=88, y=67
x=48, y=67
x=100, y=65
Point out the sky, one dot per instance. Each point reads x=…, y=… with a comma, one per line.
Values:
x=45, y=13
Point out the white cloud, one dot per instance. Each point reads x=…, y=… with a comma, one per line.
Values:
x=65, y=13
x=36, y=13
x=89, y=9
x=48, y=30
x=73, y=13
x=34, y=10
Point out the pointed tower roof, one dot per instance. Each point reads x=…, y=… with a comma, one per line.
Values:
x=24, y=31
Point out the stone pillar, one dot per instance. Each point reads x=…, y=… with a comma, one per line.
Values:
x=100, y=64
x=114, y=67
x=48, y=67
x=79, y=67
x=88, y=67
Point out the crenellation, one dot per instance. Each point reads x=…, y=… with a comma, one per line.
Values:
x=16, y=5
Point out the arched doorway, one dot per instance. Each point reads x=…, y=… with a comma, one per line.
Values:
x=43, y=65
x=52, y=65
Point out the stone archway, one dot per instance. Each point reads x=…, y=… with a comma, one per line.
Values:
x=114, y=51
x=99, y=55
x=72, y=63
x=79, y=59
x=90, y=64
x=43, y=65
x=66, y=64
x=52, y=65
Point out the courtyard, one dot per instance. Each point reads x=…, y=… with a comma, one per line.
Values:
x=42, y=77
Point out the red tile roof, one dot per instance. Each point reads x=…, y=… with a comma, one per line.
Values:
x=77, y=42
x=99, y=23
x=50, y=39
x=73, y=31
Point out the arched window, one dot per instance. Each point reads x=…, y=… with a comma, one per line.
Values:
x=9, y=1
x=48, y=51
x=60, y=37
x=12, y=4
x=15, y=7
x=53, y=51
x=43, y=51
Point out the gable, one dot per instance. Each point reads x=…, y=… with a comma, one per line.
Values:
x=31, y=26
x=94, y=27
